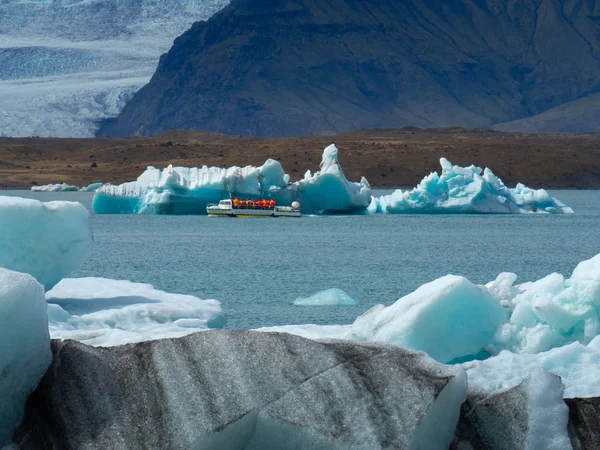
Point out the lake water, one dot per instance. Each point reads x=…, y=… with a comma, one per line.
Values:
x=257, y=268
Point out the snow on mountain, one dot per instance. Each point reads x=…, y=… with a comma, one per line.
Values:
x=65, y=65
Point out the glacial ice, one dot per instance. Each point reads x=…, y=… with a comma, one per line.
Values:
x=24, y=346
x=328, y=191
x=328, y=297
x=551, y=323
x=91, y=187
x=448, y=318
x=466, y=190
x=180, y=190
x=63, y=187
x=46, y=240
x=578, y=366
x=103, y=312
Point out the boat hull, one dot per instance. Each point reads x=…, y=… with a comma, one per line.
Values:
x=251, y=213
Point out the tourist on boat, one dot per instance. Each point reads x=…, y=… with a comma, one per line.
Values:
x=272, y=204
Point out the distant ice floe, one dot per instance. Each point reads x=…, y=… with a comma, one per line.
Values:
x=45, y=240
x=500, y=332
x=104, y=312
x=64, y=187
x=181, y=190
x=329, y=297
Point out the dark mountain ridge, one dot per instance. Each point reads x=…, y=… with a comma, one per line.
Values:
x=299, y=67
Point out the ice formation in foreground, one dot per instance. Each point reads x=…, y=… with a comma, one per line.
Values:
x=103, y=312
x=551, y=323
x=181, y=190
x=24, y=346
x=329, y=297
x=46, y=240
x=466, y=190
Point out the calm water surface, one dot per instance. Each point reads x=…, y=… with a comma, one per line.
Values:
x=256, y=268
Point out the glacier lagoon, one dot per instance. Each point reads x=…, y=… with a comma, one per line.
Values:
x=263, y=266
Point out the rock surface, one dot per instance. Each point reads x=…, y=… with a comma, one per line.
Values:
x=300, y=67
x=242, y=390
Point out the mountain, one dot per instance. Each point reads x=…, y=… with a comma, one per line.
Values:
x=578, y=116
x=66, y=64
x=298, y=67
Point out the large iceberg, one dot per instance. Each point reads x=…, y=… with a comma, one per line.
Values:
x=466, y=190
x=103, y=312
x=182, y=190
x=46, y=240
x=24, y=346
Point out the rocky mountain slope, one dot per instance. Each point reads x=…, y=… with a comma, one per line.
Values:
x=298, y=67
x=66, y=64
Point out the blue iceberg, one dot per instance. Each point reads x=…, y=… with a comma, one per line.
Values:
x=182, y=190
x=46, y=240
x=466, y=190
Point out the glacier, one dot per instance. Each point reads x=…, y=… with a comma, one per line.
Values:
x=182, y=190
x=46, y=240
x=65, y=65
x=24, y=346
x=466, y=190
x=328, y=297
x=104, y=312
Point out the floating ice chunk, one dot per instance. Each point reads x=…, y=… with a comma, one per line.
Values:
x=104, y=312
x=328, y=190
x=64, y=187
x=554, y=311
x=448, y=318
x=577, y=365
x=24, y=346
x=466, y=190
x=46, y=240
x=329, y=297
x=91, y=187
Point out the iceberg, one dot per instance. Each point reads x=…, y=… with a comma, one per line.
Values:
x=103, y=312
x=91, y=187
x=24, y=346
x=329, y=192
x=46, y=240
x=466, y=190
x=448, y=318
x=63, y=187
x=182, y=190
x=329, y=297
x=577, y=365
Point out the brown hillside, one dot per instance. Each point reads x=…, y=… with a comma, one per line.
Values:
x=388, y=158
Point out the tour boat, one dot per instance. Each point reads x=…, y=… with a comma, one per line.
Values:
x=252, y=208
